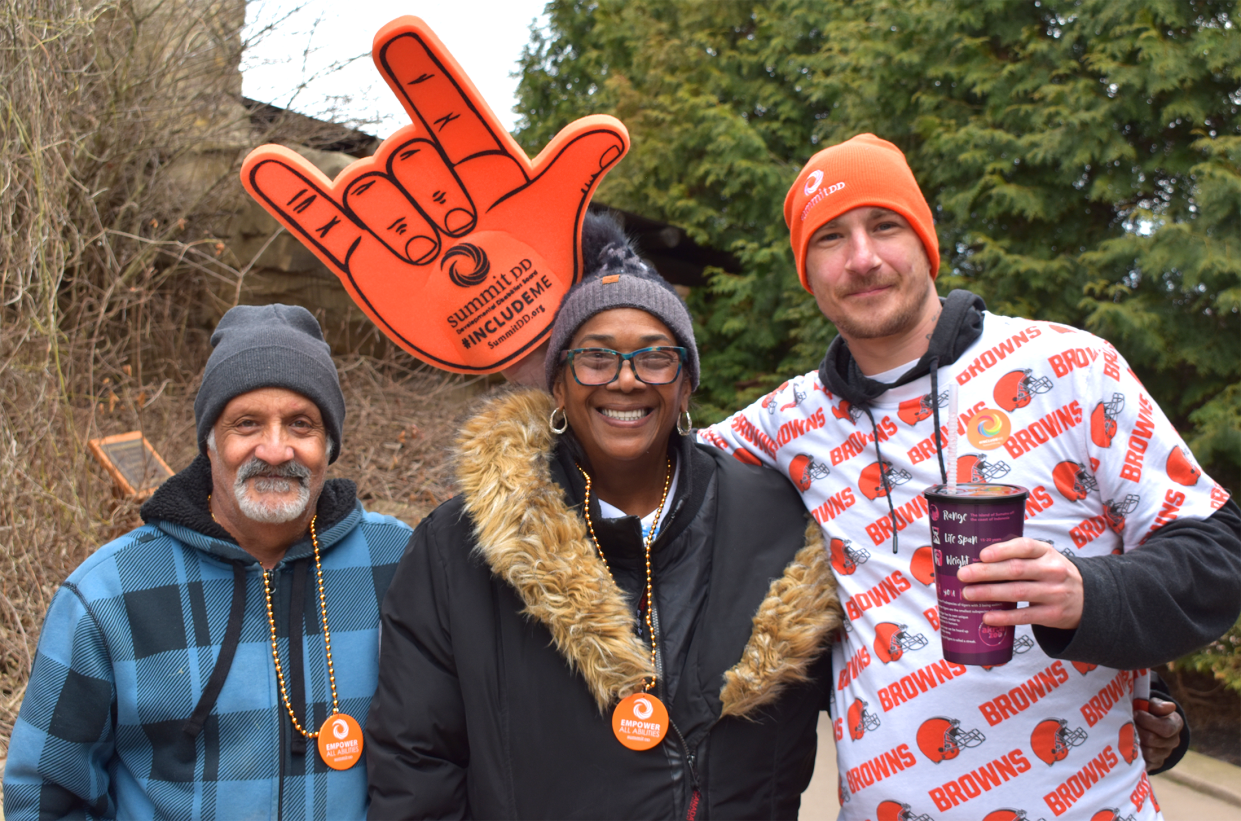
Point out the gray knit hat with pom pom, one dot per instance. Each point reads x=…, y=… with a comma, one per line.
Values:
x=616, y=277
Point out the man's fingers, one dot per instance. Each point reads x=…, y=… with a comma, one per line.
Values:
x=1015, y=559
x=1160, y=707
x=1167, y=727
x=394, y=220
x=1006, y=592
x=1019, y=548
x=1048, y=614
x=292, y=191
x=1013, y=618
x=1008, y=570
x=529, y=371
x=418, y=168
x=1033, y=572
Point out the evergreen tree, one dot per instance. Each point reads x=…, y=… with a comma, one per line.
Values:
x=1083, y=160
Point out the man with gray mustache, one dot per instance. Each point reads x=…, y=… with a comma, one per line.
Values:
x=269, y=479
x=214, y=662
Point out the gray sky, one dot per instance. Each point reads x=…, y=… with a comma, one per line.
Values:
x=486, y=37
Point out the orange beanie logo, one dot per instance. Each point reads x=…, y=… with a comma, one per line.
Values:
x=863, y=171
x=455, y=243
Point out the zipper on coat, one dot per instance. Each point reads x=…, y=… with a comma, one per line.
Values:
x=691, y=811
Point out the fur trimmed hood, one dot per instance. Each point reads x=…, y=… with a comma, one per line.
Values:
x=536, y=543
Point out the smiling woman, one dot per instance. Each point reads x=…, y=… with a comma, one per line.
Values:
x=602, y=586
x=624, y=422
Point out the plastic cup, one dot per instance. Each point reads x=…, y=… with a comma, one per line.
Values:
x=964, y=520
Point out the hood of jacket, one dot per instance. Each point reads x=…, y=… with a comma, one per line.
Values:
x=959, y=326
x=532, y=539
x=179, y=507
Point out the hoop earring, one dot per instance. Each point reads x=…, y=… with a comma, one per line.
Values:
x=564, y=420
x=688, y=428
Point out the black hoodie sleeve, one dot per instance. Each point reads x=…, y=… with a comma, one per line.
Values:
x=1174, y=594
x=416, y=745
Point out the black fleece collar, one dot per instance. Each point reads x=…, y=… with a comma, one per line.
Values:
x=960, y=324
x=182, y=500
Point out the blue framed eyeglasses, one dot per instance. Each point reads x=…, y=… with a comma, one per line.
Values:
x=592, y=367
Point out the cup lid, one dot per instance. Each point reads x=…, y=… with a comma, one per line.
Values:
x=977, y=492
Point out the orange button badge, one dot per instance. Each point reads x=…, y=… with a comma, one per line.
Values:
x=340, y=741
x=640, y=721
x=453, y=241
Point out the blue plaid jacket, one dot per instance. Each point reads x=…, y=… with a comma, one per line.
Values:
x=123, y=717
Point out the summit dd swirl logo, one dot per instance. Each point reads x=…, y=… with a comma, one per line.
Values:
x=467, y=264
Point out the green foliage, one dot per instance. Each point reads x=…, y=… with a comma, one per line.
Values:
x=1221, y=659
x=1083, y=160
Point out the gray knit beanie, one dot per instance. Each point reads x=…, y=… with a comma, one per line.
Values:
x=616, y=277
x=270, y=346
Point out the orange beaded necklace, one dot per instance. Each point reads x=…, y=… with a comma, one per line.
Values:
x=646, y=544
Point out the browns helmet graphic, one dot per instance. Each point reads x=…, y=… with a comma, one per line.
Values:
x=846, y=411
x=1128, y=742
x=845, y=559
x=942, y=739
x=1006, y=815
x=1103, y=420
x=896, y=811
x=1016, y=389
x=1181, y=468
x=913, y=411
x=974, y=467
x=1110, y=815
x=1073, y=480
x=1082, y=667
x=842, y=792
x=1115, y=511
x=861, y=720
x=1022, y=644
x=798, y=396
x=922, y=565
x=892, y=641
x=803, y=470
x=1052, y=739
x=769, y=401
x=870, y=483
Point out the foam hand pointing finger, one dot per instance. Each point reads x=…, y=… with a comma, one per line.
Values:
x=455, y=243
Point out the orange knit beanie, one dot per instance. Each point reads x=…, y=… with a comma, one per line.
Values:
x=863, y=171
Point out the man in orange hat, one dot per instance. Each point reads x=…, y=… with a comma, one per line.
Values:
x=1128, y=566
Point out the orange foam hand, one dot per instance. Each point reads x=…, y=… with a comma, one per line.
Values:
x=450, y=238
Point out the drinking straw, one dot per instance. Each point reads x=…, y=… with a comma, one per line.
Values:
x=952, y=436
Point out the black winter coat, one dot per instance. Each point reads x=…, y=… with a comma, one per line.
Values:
x=505, y=645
